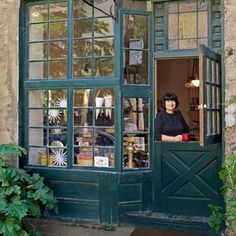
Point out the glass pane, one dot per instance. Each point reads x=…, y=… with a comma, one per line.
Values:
x=81, y=9
x=83, y=97
x=173, y=44
x=136, y=68
x=38, y=32
x=213, y=71
x=83, y=156
x=208, y=95
x=188, y=43
x=37, y=51
x=135, y=151
x=57, y=69
x=57, y=154
x=202, y=24
x=58, y=133
x=58, y=49
x=37, y=99
x=82, y=68
x=104, y=102
x=58, y=30
x=58, y=11
x=213, y=89
x=218, y=98
x=104, y=157
x=138, y=5
x=38, y=13
x=103, y=27
x=104, y=137
x=135, y=112
x=173, y=26
x=172, y=7
x=104, y=67
x=135, y=27
x=218, y=121
x=208, y=70
x=106, y=6
x=213, y=122
x=38, y=70
x=83, y=28
x=37, y=137
x=36, y=117
x=82, y=48
x=187, y=25
x=37, y=156
x=203, y=41
x=209, y=122
x=187, y=6
x=83, y=117
x=202, y=5
x=217, y=73
x=103, y=47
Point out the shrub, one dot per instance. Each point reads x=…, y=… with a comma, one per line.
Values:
x=21, y=196
x=228, y=176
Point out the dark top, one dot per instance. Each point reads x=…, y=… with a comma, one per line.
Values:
x=169, y=124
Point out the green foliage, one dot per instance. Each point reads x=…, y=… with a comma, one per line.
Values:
x=228, y=176
x=108, y=227
x=21, y=195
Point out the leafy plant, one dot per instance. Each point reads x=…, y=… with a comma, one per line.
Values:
x=21, y=195
x=228, y=175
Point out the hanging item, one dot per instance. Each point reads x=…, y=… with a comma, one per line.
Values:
x=99, y=103
x=193, y=80
x=108, y=103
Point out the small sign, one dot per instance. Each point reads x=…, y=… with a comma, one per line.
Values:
x=100, y=161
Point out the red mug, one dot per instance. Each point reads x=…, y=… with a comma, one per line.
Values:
x=185, y=137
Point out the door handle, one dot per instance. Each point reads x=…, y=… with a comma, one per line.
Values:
x=202, y=106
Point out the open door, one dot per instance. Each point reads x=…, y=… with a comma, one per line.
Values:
x=209, y=96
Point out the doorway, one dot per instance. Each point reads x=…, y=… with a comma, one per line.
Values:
x=176, y=75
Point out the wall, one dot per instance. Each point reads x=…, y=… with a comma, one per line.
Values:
x=9, y=17
x=9, y=20
x=230, y=76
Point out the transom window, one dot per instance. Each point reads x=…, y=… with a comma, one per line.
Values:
x=187, y=24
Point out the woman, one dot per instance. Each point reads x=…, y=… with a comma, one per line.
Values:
x=169, y=123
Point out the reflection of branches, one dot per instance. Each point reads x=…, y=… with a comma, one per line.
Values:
x=99, y=9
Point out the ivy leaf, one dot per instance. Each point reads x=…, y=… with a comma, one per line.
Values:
x=10, y=226
x=17, y=208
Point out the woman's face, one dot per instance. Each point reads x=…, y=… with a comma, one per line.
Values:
x=170, y=106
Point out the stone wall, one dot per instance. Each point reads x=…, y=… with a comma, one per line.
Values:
x=9, y=25
x=230, y=75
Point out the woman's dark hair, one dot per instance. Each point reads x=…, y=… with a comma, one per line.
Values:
x=169, y=96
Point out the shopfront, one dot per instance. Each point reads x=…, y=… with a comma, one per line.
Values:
x=92, y=77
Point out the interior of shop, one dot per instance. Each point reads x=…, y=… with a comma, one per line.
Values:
x=181, y=77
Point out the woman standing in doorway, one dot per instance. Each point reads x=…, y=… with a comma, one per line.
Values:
x=170, y=125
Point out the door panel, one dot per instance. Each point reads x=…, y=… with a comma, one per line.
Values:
x=186, y=178
x=210, y=96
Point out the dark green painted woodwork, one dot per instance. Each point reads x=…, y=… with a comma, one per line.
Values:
x=161, y=30
x=216, y=26
x=186, y=178
x=99, y=197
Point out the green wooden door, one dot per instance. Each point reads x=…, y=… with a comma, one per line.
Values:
x=186, y=174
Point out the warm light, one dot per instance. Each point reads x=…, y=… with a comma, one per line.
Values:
x=195, y=82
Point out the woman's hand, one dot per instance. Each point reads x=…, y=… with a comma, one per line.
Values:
x=178, y=138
